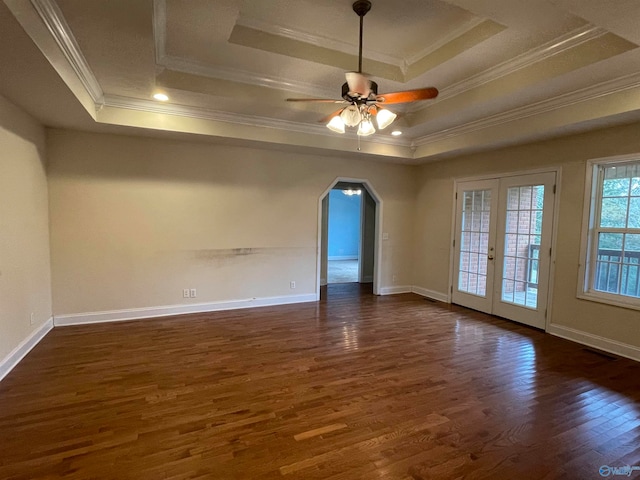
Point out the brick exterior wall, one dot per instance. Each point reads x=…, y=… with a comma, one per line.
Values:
x=522, y=216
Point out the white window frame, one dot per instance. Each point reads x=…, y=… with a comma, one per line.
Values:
x=591, y=212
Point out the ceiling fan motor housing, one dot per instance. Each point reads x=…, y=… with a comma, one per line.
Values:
x=349, y=98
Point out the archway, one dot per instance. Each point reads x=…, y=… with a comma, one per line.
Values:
x=323, y=211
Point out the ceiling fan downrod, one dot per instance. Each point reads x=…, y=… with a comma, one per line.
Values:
x=361, y=7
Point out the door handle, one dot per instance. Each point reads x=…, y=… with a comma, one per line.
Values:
x=490, y=257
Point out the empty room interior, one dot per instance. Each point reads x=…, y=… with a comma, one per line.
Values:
x=319, y=239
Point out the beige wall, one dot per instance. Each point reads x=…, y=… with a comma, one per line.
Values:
x=136, y=220
x=24, y=229
x=434, y=217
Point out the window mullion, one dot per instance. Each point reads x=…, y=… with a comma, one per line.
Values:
x=619, y=283
x=617, y=230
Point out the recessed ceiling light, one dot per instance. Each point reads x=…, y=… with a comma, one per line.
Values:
x=395, y=133
x=161, y=97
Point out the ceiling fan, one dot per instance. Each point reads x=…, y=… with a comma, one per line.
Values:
x=361, y=96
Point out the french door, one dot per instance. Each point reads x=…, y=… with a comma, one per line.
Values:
x=502, y=246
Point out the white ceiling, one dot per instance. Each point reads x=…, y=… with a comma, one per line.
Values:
x=508, y=71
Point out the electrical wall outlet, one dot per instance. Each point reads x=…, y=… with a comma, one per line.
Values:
x=394, y=279
x=292, y=285
x=194, y=293
x=185, y=293
x=32, y=319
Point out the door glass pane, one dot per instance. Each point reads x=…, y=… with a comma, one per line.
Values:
x=474, y=242
x=522, y=245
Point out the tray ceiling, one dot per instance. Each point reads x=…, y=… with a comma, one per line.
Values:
x=507, y=70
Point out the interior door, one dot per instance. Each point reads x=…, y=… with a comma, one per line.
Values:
x=503, y=245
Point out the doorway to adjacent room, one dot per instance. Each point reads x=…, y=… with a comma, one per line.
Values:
x=348, y=247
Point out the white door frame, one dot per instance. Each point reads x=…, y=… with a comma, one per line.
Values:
x=378, y=228
x=554, y=233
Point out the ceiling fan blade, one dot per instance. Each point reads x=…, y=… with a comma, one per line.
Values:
x=317, y=100
x=358, y=84
x=407, y=96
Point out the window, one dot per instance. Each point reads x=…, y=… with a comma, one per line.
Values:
x=612, y=254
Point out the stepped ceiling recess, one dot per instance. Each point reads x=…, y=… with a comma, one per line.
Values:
x=508, y=71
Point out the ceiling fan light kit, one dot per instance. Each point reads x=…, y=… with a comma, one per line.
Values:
x=336, y=124
x=362, y=95
x=351, y=115
x=385, y=118
x=366, y=128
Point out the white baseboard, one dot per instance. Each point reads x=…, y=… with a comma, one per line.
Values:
x=596, y=341
x=396, y=289
x=168, y=310
x=342, y=257
x=18, y=353
x=441, y=297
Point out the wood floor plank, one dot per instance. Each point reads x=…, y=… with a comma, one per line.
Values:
x=353, y=387
x=319, y=431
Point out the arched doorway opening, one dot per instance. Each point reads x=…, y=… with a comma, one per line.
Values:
x=367, y=251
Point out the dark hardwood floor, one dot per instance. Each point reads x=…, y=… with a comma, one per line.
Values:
x=354, y=387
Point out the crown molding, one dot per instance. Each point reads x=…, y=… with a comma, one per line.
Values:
x=130, y=103
x=556, y=46
x=241, y=76
x=316, y=40
x=251, y=78
x=561, y=101
x=348, y=48
x=452, y=35
x=222, y=73
x=53, y=19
